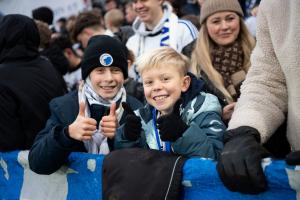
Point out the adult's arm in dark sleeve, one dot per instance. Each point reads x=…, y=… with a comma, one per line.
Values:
x=51, y=147
x=11, y=132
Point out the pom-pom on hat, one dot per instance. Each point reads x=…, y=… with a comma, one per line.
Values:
x=104, y=51
x=210, y=7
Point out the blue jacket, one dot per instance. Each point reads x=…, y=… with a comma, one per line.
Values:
x=52, y=147
x=201, y=112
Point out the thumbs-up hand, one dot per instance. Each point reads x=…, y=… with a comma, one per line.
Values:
x=109, y=123
x=83, y=127
x=133, y=125
x=171, y=126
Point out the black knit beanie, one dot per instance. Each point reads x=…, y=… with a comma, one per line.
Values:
x=43, y=14
x=104, y=51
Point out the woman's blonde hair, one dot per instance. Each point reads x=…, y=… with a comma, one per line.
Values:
x=163, y=56
x=201, y=59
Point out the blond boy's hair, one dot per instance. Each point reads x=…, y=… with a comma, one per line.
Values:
x=163, y=57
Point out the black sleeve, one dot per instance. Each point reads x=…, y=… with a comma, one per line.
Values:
x=51, y=147
x=11, y=132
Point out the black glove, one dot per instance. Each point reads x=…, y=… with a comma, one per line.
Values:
x=133, y=125
x=293, y=158
x=239, y=165
x=171, y=126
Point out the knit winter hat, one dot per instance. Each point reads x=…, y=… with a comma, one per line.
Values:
x=210, y=7
x=104, y=51
x=43, y=14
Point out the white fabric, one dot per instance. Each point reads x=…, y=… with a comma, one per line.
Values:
x=251, y=25
x=272, y=85
x=72, y=78
x=109, y=33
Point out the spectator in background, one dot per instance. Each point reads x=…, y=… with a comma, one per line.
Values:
x=45, y=34
x=191, y=7
x=61, y=25
x=73, y=76
x=113, y=20
x=110, y=4
x=130, y=14
x=27, y=83
x=44, y=14
x=87, y=24
x=200, y=3
x=269, y=95
x=222, y=52
x=156, y=26
x=52, y=51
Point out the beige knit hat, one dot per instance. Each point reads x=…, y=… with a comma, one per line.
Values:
x=210, y=7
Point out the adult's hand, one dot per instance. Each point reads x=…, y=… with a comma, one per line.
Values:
x=227, y=111
x=239, y=165
x=293, y=158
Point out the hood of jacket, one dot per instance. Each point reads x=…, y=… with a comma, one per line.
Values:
x=195, y=88
x=140, y=28
x=19, y=38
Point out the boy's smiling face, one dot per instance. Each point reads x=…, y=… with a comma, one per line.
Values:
x=107, y=81
x=163, y=87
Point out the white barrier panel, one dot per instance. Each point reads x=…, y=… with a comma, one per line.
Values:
x=82, y=180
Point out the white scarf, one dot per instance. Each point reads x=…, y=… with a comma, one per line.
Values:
x=98, y=143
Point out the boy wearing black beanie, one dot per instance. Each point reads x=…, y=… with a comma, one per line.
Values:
x=80, y=119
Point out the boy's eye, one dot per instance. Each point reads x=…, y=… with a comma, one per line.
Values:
x=100, y=70
x=147, y=83
x=115, y=70
x=165, y=78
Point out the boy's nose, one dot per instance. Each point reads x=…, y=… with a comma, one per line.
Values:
x=108, y=75
x=157, y=86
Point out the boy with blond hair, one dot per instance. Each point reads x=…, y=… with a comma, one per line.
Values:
x=178, y=117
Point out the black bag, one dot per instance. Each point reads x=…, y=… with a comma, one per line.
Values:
x=141, y=174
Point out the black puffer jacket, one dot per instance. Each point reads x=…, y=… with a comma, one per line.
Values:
x=27, y=83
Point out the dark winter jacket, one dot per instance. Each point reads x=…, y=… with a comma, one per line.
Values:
x=27, y=83
x=52, y=146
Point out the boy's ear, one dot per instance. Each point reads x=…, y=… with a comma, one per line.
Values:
x=186, y=81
